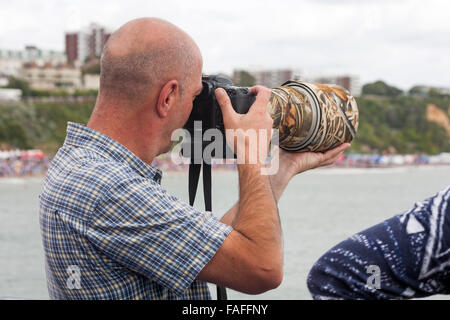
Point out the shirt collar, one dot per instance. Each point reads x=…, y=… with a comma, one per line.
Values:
x=82, y=136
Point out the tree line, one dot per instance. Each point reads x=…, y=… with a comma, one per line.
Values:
x=389, y=121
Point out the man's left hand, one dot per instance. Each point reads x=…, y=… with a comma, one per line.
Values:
x=292, y=163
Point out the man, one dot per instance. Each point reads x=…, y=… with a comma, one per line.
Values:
x=110, y=231
x=407, y=256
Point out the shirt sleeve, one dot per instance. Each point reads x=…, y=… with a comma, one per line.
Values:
x=155, y=234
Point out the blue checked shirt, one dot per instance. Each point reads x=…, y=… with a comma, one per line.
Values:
x=110, y=231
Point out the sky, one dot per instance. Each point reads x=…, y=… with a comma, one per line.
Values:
x=403, y=42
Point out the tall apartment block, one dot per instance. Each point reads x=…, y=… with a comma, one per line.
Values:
x=349, y=82
x=269, y=77
x=85, y=43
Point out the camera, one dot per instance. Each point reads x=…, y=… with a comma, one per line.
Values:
x=207, y=110
x=307, y=116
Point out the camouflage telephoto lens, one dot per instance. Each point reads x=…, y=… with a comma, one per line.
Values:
x=313, y=117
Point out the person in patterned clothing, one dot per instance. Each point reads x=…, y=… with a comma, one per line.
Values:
x=407, y=256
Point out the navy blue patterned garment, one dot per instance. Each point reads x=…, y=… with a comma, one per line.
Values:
x=110, y=231
x=407, y=256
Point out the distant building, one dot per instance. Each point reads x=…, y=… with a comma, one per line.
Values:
x=3, y=80
x=10, y=94
x=50, y=78
x=85, y=43
x=71, y=42
x=422, y=90
x=274, y=77
x=349, y=82
x=268, y=77
x=91, y=81
x=11, y=61
x=442, y=90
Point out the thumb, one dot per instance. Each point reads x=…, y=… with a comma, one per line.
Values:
x=224, y=103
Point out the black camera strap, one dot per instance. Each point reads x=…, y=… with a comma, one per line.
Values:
x=194, y=176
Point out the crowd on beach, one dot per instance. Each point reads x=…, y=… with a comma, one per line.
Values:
x=392, y=160
x=25, y=163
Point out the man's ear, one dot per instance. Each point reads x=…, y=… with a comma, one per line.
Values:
x=168, y=97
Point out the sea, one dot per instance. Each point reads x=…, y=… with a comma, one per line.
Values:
x=318, y=209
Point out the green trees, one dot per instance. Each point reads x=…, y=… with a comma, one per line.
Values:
x=91, y=69
x=390, y=120
x=386, y=123
x=380, y=88
x=39, y=125
x=16, y=83
x=245, y=79
x=399, y=123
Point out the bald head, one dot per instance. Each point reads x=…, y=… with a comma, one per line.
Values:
x=143, y=55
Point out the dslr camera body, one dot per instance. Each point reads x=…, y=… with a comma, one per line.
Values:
x=207, y=110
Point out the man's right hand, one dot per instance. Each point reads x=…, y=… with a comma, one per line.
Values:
x=243, y=131
x=250, y=259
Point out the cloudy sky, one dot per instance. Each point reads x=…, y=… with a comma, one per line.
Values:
x=404, y=42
